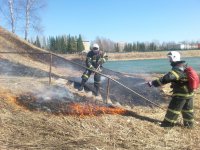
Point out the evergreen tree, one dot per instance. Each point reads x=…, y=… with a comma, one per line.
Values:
x=69, y=44
x=152, y=46
x=116, y=47
x=134, y=47
x=80, y=46
x=142, y=47
x=37, y=42
x=65, y=44
x=56, y=44
x=73, y=44
x=125, y=48
x=52, y=45
x=138, y=46
x=130, y=47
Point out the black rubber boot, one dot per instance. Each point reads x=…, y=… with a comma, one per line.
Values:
x=167, y=124
x=82, y=85
x=188, y=125
x=97, y=92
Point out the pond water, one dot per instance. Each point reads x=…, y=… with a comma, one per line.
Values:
x=149, y=66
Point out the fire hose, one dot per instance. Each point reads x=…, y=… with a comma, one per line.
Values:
x=155, y=104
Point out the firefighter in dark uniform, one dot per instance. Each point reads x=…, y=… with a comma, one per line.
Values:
x=182, y=97
x=94, y=60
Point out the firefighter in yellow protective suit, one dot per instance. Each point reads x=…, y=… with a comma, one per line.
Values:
x=182, y=97
x=95, y=59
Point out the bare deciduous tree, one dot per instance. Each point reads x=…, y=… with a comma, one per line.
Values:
x=27, y=22
x=105, y=44
x=9, y=13
x=12, y=18
x=25, y=12
x=31, y=9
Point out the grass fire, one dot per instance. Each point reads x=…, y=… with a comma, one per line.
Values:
x=65, y=107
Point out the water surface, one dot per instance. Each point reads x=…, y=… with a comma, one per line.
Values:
x=149, y=66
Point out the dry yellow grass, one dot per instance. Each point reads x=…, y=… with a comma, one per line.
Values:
x=150, y=55
x=23, y=129
x=139, y=55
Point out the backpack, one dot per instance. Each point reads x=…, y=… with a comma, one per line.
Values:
x=193, y=78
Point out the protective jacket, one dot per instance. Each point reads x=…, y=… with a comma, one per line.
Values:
x=182, y=97
x=178, y=79
x=94, y=59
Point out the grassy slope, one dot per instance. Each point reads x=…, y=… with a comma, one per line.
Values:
x=24, y=129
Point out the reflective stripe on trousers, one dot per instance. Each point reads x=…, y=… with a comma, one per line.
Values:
x=180, y=105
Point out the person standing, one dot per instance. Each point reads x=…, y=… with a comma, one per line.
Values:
x=94, y=60
x=182, y=97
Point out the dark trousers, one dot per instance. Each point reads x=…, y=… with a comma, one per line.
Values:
x=179, y=105
x=97, y=78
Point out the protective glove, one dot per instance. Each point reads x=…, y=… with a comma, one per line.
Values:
x=100, y=61
x=150, y=84
x=99, y=69
x=92, y=68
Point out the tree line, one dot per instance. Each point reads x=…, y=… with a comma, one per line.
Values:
x=60, y=44
x=111, y=46
x=156, y=46
x=72, y=44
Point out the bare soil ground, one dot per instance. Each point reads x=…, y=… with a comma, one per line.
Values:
x=23, y=128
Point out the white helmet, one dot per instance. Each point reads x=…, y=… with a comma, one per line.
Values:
x=95, y=47
x=174, y=56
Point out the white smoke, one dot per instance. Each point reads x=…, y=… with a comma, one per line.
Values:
x=56, y=92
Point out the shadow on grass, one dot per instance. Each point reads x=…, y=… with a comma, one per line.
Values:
x=10, y=68
x=140, y=117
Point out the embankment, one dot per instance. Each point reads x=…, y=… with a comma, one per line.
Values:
x=139, y=55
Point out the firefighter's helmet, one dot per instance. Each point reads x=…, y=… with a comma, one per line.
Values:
x=95, y=47
x=174, y=56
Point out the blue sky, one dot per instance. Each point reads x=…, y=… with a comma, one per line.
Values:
x=124, y=20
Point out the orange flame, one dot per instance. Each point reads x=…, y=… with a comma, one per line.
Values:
x=9, y=98
x=76, y=109
x=93, y=109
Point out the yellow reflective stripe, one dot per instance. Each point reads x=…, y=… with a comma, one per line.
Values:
x=169, y=120
x=174, y=111
x=186, y=88
x=104, y=60
x=188, y=111
x=159, y=82
x=184, y=79
x=183, y=95
x=90, y=66
x=97, y=82
x=85, y=76
x=175, y=74
x=188, y=120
